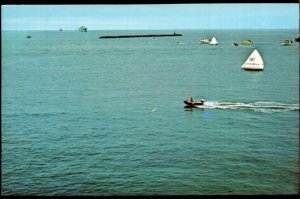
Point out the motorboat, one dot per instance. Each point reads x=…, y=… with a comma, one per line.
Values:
x=192, y=104
x=286, y=42
x=247, y=42
x=28, y=36
x=212, y=41
x=235, y=44
x=204, y=41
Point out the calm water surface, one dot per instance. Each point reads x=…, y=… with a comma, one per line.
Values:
x=89, y=116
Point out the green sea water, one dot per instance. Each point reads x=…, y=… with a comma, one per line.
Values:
x=88, y=116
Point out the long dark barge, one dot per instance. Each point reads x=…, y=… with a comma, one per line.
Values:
x=132, y=36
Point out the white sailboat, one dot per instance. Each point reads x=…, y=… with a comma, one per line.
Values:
x=254, y=62
x=213, y=41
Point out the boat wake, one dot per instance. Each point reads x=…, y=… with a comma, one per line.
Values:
x=256, y=106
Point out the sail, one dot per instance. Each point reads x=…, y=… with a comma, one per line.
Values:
x=213, y=41
x=254, y=62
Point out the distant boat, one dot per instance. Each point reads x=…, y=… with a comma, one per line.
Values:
x=247, y=42
x=254, y=62
x=28, y=36
x=60, y=29
x=213, y=41
x=204, y=41
x=235, y=44
x=286, y=42
x=83, y=29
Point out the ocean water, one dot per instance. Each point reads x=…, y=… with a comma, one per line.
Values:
x=88, y=116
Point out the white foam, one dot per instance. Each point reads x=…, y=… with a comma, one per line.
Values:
x=153, y=109
x=259, y=106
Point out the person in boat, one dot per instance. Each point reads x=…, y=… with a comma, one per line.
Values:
x=202, y=101
x=192, y=100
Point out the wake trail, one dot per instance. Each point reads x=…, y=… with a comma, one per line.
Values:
x=256, y=106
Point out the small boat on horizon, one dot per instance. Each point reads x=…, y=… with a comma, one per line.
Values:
x=204, y=41
x=83, y=29
x=287, y=42
x=212, y=41
x=247, y=42
x=254, y=62
x=28, y=36
x=235, y=44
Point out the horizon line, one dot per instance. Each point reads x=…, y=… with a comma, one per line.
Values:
x=173, y=29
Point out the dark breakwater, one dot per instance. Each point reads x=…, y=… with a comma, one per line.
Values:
x=132, y=36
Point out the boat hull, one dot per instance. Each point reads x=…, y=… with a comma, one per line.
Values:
x=286, y=44
x=204, y=41
x=253, y=69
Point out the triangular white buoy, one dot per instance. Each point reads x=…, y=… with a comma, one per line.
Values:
x=254, y=62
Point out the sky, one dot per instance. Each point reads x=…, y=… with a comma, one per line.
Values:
x=151, y=16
